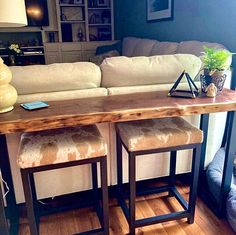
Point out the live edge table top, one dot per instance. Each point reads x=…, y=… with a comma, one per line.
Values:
x=116, y=108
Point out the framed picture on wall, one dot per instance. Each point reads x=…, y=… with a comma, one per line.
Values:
x=159, y=10
x=72, y=13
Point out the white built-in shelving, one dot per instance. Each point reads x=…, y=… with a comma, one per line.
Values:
x=85, y=20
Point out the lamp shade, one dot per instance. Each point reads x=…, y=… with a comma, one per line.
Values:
x=12, y=13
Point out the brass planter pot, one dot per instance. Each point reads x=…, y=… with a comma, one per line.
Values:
x=218, y=78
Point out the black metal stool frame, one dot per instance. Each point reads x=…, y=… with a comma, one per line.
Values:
x=189, y=208
x=31, y=197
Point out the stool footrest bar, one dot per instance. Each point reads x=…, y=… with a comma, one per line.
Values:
x=94, y=231
x=180, y=199
x=124, y=207
x=149, y=191
x=161, y=218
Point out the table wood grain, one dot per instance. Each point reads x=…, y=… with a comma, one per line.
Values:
x=116, y=108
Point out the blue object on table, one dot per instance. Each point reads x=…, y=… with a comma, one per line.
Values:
x=103, y=49
x=35, y=105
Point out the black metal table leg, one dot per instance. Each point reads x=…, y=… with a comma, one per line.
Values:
x=172, y=171
x=194, y=183
x=29, y=201
x=132, y=192
x=95, y=185
x=119, y=165
x=10, y=198
x=204, y=127
x=172, y=167
x=34, y=195
x=105, y=202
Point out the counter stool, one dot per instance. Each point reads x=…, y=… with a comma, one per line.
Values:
x=60, y=148
x=156, y=136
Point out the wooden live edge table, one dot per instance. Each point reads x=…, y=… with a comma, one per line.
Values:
x=117, y=108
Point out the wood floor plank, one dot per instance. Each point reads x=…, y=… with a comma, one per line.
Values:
x=118, y=223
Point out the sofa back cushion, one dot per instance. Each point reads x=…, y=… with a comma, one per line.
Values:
x=143, y=47
x=164, y=48
x=55, y=77
x=133, y=46
x=196, y=47
x=128, y=45
x=137, y=46
x=123, y=71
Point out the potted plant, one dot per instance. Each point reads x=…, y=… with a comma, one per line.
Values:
x=215, y=64
x=13, y=50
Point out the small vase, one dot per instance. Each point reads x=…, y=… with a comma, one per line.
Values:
x=12, y=60
x=80, y=35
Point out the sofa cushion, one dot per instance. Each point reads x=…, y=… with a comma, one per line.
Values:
x=146, y=88
x=137, y=46
x=124, y=71
x=128, y=45
x=214, y=174
x=231, y=207
x=63, y=95
x=55, y=77
x=214, y=179
x=196, y=47
x=143, y=47
x=164, y=48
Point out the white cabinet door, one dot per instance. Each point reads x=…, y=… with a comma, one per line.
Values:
x=88, y=54
x=69, y=52
x=71, y=56
x=52, y=57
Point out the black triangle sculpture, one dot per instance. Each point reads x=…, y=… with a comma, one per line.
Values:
x=193, y=91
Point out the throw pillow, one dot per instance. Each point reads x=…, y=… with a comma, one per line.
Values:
x=107, y=48
x=98, y=59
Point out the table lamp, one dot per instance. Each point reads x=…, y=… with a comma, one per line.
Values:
x=12, y=14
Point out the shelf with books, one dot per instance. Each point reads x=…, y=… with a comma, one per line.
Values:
x=83, y=20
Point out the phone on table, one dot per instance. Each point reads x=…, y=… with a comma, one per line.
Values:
x=34, y=105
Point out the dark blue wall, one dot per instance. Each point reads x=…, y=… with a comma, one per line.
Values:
x=205, y=20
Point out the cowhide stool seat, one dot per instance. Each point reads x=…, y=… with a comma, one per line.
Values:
x=60, y=148
x=155, y=136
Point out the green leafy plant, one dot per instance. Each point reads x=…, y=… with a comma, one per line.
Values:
x=216, y=60
x=14, y=49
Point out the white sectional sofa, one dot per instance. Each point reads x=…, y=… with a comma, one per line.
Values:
x=117, y=75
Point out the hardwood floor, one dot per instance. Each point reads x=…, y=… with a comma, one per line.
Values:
x=75, y=221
